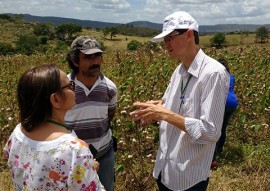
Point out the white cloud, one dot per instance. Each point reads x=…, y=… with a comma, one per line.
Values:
x=152, y=2
x=109, y=4
x=123, y=11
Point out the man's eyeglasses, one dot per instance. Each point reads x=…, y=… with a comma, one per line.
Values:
x=169, y=39
x=70, y=85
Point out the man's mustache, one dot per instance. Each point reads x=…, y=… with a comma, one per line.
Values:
x=95, y=66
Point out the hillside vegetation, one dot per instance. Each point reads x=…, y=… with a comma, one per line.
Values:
x=143, y=75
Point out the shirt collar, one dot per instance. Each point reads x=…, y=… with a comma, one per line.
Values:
x=195, y=66
x=79, y=83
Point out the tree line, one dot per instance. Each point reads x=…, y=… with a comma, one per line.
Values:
x=219, y=39
x=64, y=34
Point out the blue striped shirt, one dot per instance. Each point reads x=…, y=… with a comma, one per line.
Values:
x=184, y=159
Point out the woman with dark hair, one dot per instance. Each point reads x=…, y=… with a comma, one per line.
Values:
x=43, y=153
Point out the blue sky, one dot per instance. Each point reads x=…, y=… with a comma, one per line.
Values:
x=206, y=12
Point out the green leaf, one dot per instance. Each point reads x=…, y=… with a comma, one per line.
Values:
x=257, y=128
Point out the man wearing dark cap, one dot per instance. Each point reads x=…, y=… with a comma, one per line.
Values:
x=96, y=98
x=191, y=110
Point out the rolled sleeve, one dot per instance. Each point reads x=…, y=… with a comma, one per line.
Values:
x=206, y=128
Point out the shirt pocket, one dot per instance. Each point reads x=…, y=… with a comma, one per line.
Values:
x=188, y=107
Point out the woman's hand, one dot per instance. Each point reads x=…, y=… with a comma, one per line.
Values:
x=96, y=165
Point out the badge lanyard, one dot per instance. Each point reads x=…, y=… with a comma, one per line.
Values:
x=183, y=89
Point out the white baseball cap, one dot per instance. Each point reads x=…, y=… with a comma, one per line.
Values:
x=176, y=20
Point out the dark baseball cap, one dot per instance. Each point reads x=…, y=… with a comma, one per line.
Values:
x=86, y=45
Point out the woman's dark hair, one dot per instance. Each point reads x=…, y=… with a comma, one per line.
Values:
x=196, y=34
x=35, y=87
x=224, y=63
x=73, y=57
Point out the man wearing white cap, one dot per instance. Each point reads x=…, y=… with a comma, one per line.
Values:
x=191, y=110
x=96, y=98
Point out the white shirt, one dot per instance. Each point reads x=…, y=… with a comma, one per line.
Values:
x=65, y=163
x=184, y=159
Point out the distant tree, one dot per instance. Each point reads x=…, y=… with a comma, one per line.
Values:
x=18, y=17
x=110, y=30
x=218, y=40
x=44, y=29
x=43, y=39
x=262, y=34
x=105, y=31
x=6, y=17
x=113, y=31
x=27, y=44
x=131, y=30
x=65, y=32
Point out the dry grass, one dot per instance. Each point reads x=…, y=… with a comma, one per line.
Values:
x=5, y=181
x=223, y=179
x=228, y=178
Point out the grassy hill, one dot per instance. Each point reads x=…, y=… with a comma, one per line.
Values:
x=11, y=30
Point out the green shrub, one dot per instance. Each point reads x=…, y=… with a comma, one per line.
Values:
x=43, y=39
x=133, y=45
x=61, y=46
x=218, y=40
x=27, y=44
x=6, y=49
x=153, y=46
x=42, y=48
